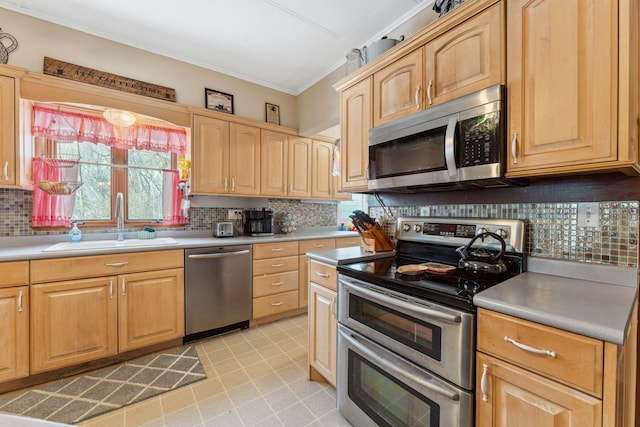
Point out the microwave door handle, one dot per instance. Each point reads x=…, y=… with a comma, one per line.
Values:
x=449, y=142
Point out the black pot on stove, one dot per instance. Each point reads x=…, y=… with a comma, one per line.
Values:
x=481, y=262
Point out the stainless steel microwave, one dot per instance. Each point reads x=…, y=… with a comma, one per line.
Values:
x=458, y=144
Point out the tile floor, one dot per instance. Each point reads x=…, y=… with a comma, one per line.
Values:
x=255, y=377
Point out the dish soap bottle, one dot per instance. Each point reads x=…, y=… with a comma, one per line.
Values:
x=75, y=235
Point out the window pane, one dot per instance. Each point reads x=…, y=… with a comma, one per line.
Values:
x=145, y=185
x=346, y=207
x=93, y=198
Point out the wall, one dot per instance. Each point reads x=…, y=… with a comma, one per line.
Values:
x=38, y=39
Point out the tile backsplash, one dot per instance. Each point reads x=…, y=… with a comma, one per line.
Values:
x=552, y=228
x=16, y=205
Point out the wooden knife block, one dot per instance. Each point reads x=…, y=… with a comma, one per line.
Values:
x=376, y=240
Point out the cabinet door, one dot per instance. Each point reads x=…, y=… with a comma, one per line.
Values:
x=516, y=397
x=355, y=122
x=303, y=281
x=467, y=58
x=14, y=339
x=323, y=327
x=73, y=322
x=210, y=154
x=7, y=131
x=151, y=308
x=321, y=178
x=244, y=159
x=397, y=89
x=299, y=167
x=562, y=85
x=273, y=163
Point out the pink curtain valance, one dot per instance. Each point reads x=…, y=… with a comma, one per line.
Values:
x=68, y=126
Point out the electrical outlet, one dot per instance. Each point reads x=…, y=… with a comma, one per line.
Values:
x=234, y=214
x=589, y=215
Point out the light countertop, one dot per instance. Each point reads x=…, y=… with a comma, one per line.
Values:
x=588, y=299
x=31, y=248
x=341, y=256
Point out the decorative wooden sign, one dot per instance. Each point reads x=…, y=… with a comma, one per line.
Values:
x=54, y=67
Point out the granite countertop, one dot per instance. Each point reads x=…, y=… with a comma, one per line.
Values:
x=341, y=256
x=31, y=248
x=588, y=299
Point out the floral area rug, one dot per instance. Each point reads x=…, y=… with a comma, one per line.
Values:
x=79, y=398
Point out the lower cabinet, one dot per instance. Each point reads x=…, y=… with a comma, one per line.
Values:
x=323, y=321
x=83, y=319
x=275, y=278
x=14, y=339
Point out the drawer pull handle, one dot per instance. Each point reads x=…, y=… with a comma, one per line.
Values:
x=277, y=249
x=277, y=283
x=322, y=274
x=483, y=382
x=110, y=289
x=277, y=304
x=124, y=288
x=529, y=349
x=318, y=245
x=20, y=302
x=277, y=265
x=117, y=264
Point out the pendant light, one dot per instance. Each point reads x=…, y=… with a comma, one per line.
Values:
x=119, y=118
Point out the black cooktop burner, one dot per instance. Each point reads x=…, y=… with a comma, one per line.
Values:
x=455, y=288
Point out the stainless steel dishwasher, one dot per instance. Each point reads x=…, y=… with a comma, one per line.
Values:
x=217, y=290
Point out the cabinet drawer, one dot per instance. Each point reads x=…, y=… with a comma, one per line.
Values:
x=275, y=265
x=49, y=270
x=315, y=245
x=348, y=242
x=274, y=250
x=578, y=360
x=323, y=274
x=274, y=304
x=275, y=283
x=14, y=273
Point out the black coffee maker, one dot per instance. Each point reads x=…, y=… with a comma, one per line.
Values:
x=258, y=222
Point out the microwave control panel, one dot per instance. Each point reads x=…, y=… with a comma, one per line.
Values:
x=479, y=140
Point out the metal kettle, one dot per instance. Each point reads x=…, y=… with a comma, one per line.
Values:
x=480, y=261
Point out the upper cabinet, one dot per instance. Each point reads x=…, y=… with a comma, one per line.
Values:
x=572, y=86
x=465, y=59
x=355, y=122
x=226, y=157
x=8, y=131
x=285, y=165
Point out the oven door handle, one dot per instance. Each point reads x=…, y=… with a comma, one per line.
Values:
x=392, y=367
x=396, y=302
x=449, y=146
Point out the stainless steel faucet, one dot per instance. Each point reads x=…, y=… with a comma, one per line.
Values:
x=120, y=215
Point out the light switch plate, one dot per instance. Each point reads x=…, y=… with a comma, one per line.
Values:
x=589, y=215
x=234, y=214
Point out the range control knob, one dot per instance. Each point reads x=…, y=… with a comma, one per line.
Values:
x=417, y=228
x=406, y=227
x=502, y=233
x=483, y=230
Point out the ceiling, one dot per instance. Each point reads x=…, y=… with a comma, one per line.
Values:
x=287, y=45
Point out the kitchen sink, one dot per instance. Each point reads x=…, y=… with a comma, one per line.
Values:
x=92, y=245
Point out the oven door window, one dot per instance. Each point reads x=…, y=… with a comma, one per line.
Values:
x=412, y=154
x=415, y=333
x=385, y=399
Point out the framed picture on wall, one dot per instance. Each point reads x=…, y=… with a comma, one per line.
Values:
x=219, y=101
x=273, y=113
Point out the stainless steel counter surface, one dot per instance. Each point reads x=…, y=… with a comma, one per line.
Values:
x=588, y=299
x=31, y=248
x=340, y=256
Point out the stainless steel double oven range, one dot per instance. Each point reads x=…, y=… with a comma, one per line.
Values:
x=406, y=341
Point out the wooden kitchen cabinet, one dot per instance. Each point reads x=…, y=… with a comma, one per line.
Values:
x=8, y=131
x=580, y=113
x=323, y=322
x=321, y=178
x=14, y=320
x=355, y=122
x=150, y=308
x=397, y=88
x=275, y=278
x=226, y=157
x=571, y=381
x=299, y=169
x=467, y=58
x=87, y=308
x=303, y=265
x=286, y=165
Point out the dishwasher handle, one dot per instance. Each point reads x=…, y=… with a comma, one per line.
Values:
x=217, y=255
